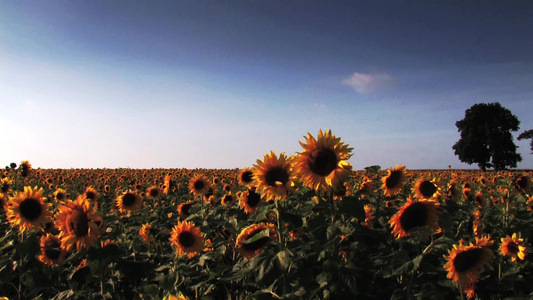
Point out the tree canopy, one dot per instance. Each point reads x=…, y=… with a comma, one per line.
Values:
x=486, y=137
x=528, y=134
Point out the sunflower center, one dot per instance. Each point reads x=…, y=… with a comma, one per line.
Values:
x=465, y=260
x=90, y=195
x=185, y=209
x=52, y=249
x=60, y=196
x=512, y=247
x=394, y=179
x=258, y=244
x=322, y=161
x=427, y=188
x=186, y=239
x=247, y=177
x=79, y=223
x=5, y=188
x=276, y=174
x=154, y=192
x=128, y=199
x=253, y=198
x=30, y=209
x=414, y=216
x=199, y=185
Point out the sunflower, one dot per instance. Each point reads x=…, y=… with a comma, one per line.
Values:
x=426, y=189
x=172, y=297
x=184, y=209
x=476, y=224
x=199, y=185
x=249, y=200
x=145, y=232
x=393, y=181
x=27, y=209
x=249, y=245
x=25, y=168
x=153, y=192
x=91, y=194
x=187, y=238
x=273, y=176
x=479, y=199
x=466, y=262
x=228, y=199
x=369, y=216
x=246, y=176
x=129, y=201
x=523, y=183
x=60, y=195
x=51, y=251
x=322, y=161
x=414, y=214
x=77, y=223
x=514, y=247
x=169, y=184
x=5, y=185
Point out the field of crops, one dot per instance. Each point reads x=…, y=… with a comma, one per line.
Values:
x=306, y=226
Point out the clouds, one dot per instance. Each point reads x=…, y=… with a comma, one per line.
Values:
x=367, y=83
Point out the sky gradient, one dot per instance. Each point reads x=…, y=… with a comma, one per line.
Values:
x=218, y=84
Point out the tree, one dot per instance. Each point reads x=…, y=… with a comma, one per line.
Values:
x=528, y=134
x=486, y=137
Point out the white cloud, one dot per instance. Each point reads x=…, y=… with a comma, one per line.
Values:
x=367, y=83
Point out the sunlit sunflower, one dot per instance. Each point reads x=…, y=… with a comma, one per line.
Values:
x=513, y=246
x=27, y=209
x=255, y=238
x=6, y=185
x=153, y=192
x=322, y=161
x=394, y=180
x=60, y=195
x=172, y=297
x=250, y=200
x=246, y=176
x=273, y=176
x=77, y=223
x=187, y=238
x=476, y=224
x=426, y=189
x=184, y=209
x=129, y=201
x=466, y=262
x=145, y=232
x=199, y=185
x=51, y=251
x=414, y=214
x=169, y=184
x=91, y=194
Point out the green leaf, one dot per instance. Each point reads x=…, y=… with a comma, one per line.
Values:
x=29, y=247
x=260, y=235
x=353, y=207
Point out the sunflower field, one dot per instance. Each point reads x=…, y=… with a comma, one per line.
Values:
x=306, y=226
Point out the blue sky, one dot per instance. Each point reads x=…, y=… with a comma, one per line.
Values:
x=218, y=84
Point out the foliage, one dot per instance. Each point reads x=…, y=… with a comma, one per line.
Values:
x=486, y=137
x=528, y=134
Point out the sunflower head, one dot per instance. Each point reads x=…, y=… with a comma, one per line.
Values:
x=27, y=209
x=415, y=214
x=513, y=247
x=199, y=185
x=25, y=168
x=91, y=194
x=6, y=185
x=187, y=239
x=250, y=200
x=153, y=192
x=184, y=209
x=255, y=238
x=77, y=223
x=246, y=176
x=273, y=176
x=426, y=188
x=394, y=180
x=466, y=262
x=129, y=201
x=322, y=161
x=51, y=250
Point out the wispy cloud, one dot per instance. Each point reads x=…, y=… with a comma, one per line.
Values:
x=367, y=83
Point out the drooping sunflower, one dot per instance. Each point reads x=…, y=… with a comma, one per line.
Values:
x=426, y=188
x=77, y=223
x=246, y=176
x=466, y=262
x=322, y=161
x=187, y=238
x=414, y=214
x=27, y=209
x=153, y=192
x=184, y=209
x=513, y=246
x=51, y=251
x=393, y=181
x=199, y=185
x=129, y=201
x=250, y=200
x=273, y=176
x=250, y=245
